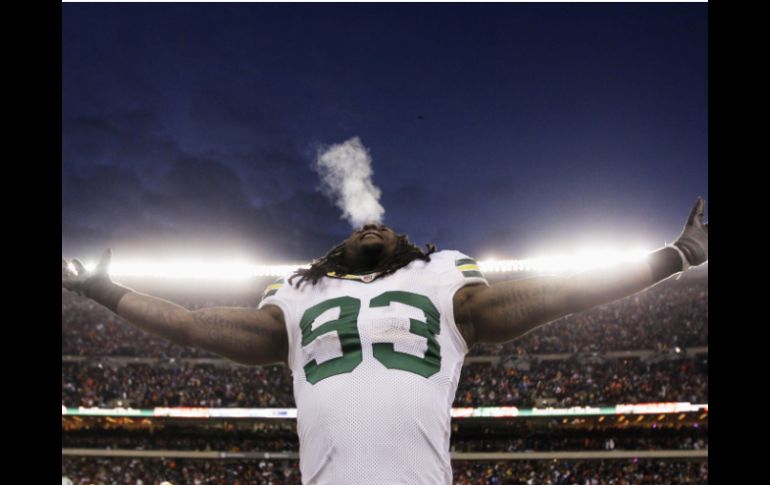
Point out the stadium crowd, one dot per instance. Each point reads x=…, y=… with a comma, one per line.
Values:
x=562, y=383
x=202, y=442
x=603, y=472
x=130, y=471
x=557, y=440
x=672, y=314
x=569, y=383
x=147, y=386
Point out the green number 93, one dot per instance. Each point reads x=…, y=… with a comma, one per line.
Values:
x=346, y=327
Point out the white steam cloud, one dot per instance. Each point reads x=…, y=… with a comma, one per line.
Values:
x=346, y=177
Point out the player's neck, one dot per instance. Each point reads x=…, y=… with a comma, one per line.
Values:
x=363, y=263
x=363, y=268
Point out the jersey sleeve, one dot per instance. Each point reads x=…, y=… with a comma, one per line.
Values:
x=468, y=269
x=458, y=270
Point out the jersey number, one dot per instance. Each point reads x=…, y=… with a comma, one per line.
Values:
x=346, y=327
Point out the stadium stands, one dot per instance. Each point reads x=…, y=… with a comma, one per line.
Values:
x=651, y=347
x=562, y=383
x=127, y=471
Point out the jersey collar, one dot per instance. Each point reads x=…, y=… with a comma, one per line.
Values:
x=363, y=278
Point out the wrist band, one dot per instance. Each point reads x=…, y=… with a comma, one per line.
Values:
x=665, y=262
x=105, y=292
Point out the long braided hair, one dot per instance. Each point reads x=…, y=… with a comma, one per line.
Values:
x=334, y=261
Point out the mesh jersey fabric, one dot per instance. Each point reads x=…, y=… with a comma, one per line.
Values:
x=375, y=369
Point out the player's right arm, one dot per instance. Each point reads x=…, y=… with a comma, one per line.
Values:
x=245, y=335
x=507, y=310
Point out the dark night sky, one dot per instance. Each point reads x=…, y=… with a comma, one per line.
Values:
x=495, y=129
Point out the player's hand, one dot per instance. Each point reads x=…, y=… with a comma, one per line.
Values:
x=75, y=277
x=694, y=240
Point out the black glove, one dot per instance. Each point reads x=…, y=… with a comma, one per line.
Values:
x=694, y=240
x=96, y=284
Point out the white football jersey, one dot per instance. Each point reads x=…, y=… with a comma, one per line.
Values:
x=375, y=368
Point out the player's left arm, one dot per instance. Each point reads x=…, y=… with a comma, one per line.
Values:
x=507, y=310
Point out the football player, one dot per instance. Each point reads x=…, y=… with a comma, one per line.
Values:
x=375, y=333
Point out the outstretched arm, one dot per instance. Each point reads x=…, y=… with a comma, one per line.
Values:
x=507, y=310
x=244, y=335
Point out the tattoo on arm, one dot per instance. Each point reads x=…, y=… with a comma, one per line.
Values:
x=513, y=308
x=226, y=330
x=527, y=302
x=509, y=309
x=245, y=335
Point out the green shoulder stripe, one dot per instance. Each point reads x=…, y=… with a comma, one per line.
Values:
x=471, y=274
x=469, y=267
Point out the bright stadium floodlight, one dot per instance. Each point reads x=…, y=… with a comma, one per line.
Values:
x=565, y=263
x=197, y=270
x=241, y=270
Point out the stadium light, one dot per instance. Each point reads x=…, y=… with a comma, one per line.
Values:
x=197, y=270
x=575, y=262
x=241, y=270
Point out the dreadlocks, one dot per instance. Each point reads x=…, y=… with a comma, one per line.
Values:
x=333, y=261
